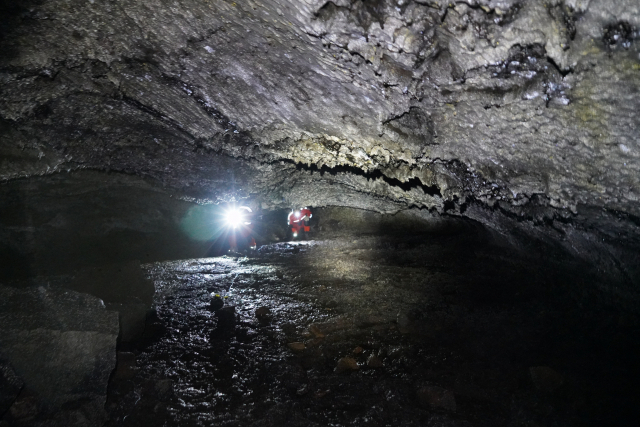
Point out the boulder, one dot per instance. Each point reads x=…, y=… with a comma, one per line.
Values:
x=123, y=288
x=62, y=345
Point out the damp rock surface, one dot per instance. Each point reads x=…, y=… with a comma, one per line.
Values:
x=381, y=105
x=57, y=352
x=482, y=329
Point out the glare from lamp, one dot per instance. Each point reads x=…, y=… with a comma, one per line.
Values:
x=234, y=217
x=237, y=216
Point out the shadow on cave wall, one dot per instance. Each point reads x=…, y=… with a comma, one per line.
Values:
x=66, y=222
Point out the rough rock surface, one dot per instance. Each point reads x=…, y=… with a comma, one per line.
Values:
x=378, y=104
x=62, y=345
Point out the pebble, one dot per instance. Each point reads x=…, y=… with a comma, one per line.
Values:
x=346, y=364
x=357, y=350
x=315, y=330
x=296, y=346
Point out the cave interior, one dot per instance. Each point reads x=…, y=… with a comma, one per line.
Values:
x=472, y=172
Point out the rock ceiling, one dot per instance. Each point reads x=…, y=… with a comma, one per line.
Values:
x=378, y=104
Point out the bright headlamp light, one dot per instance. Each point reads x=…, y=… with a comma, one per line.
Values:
x=235, y=217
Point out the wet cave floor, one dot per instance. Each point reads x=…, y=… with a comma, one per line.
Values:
x=434, y=329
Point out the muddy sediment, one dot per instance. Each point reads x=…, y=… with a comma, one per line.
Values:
x=440, y=328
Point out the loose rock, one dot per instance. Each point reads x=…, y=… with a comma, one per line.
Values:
x=315, y=330
x=346, y=364
x=216, y=303
x=226, y=319
x=296, y=346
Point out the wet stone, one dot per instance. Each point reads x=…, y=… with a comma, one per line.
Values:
x=316, y=331
x=226, y=319
x=296, y=346
x=216, y=303
x=300, y=367
x=346, y=364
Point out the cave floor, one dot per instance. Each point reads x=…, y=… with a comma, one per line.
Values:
x=432, y=329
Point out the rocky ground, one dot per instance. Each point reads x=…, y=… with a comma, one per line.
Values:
x=450, y=326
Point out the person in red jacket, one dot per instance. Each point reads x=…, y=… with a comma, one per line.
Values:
x=298, y=220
